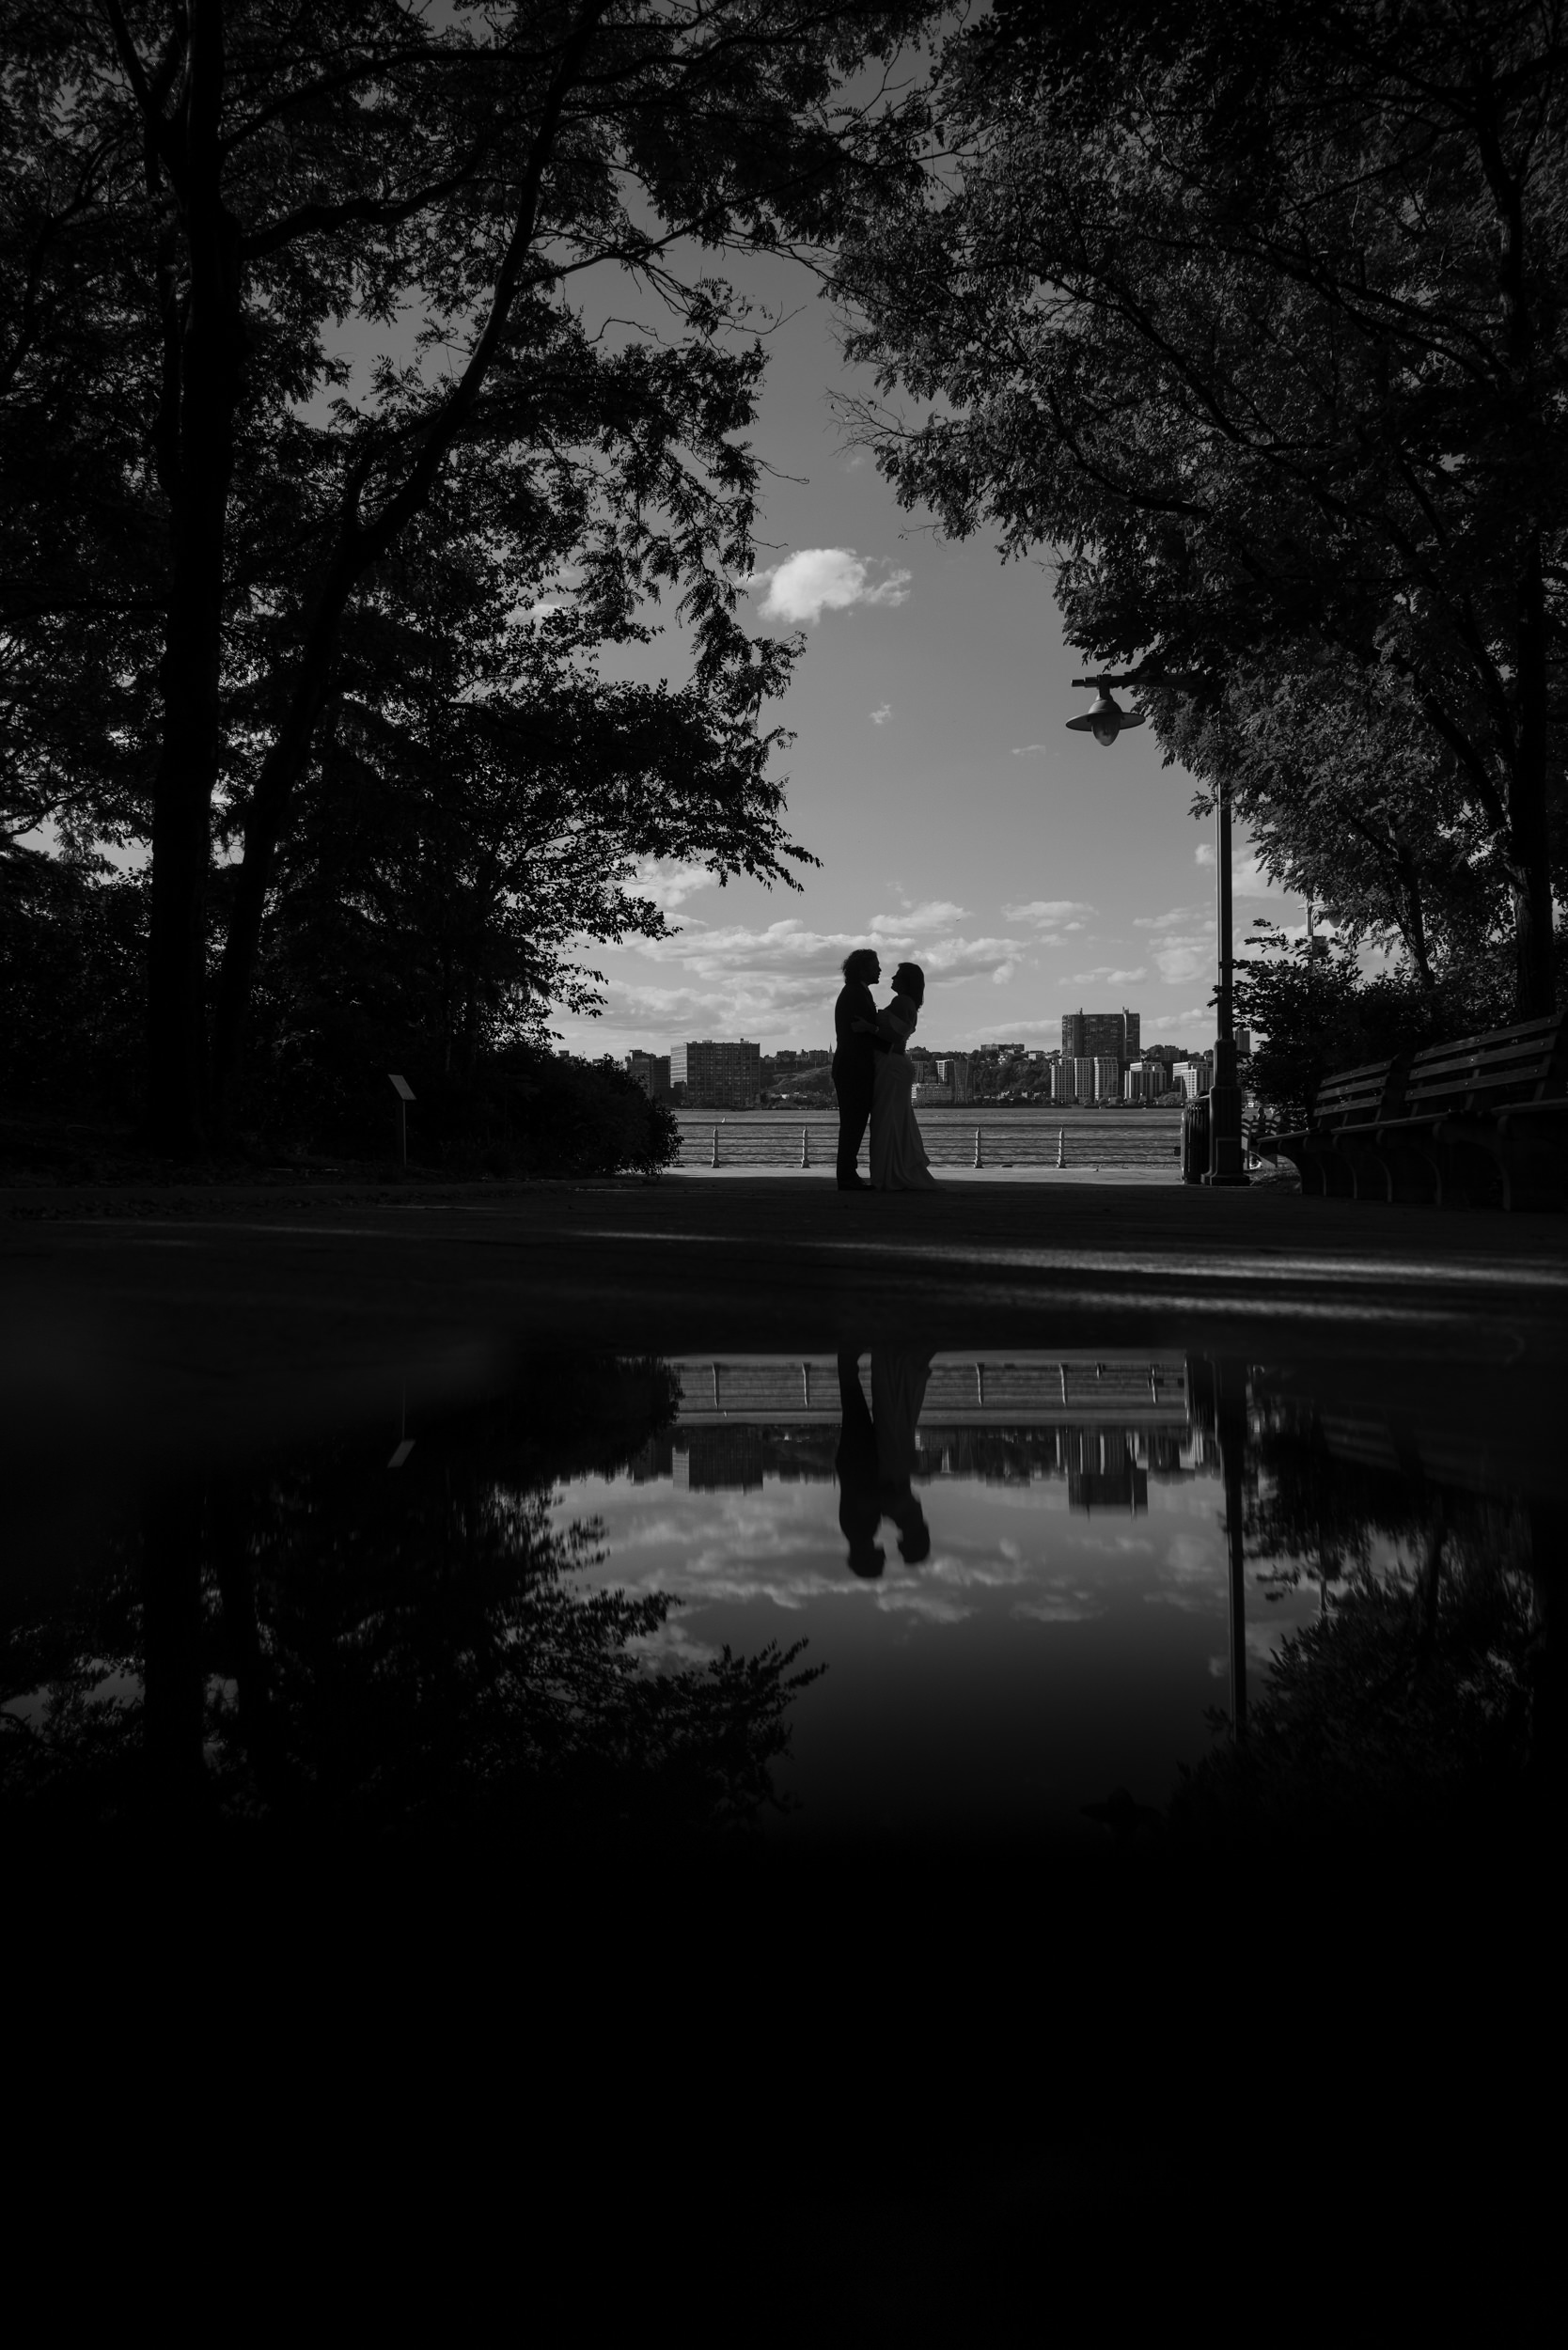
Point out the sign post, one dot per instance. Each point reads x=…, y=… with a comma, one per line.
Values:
x=404, y=1092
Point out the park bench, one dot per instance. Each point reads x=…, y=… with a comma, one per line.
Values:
x=1484, y=1121
x=1349, y=1103
x=1481, y=1121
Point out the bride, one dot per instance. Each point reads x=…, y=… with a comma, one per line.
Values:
x=899, y=1161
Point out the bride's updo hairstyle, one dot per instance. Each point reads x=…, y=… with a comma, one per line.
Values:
x=909, y=979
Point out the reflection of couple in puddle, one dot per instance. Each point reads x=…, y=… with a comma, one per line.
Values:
x=875, y=1459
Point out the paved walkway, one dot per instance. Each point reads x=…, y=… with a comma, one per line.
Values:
x=153, y=1316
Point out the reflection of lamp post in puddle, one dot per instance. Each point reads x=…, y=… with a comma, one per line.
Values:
x=1105, y=721
x=1218, y=1387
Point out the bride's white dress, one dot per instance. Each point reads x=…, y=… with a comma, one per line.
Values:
x=899, y=1161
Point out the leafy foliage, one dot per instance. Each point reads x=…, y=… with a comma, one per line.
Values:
x=1254, y=318
x=370, y=1658
x=1316, y=1012
x=221, y=535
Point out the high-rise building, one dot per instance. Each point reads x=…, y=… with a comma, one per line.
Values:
x=717, y=1076
x=1067, y=1080
x=652, y=1072
x=1096, y=1035
x=954, y=1071
x=1107, y=1077
x=1083, y=1078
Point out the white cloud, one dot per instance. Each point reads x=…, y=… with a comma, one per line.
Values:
x=1179, y=959
x=1247, y=877
x=669, y=883
x=1182, y=944
x=1105, y=976
x=1052, y=915
x=777, y=983
x=879, y=717
x=1178, y=919
x=825, y=579
x=1028, y=751
x=1180, y=1023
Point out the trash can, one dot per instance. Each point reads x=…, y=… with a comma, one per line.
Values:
x=1195, y=1141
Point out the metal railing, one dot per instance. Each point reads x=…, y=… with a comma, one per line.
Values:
x=1115, y=1140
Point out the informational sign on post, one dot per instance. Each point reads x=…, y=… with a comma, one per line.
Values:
x=404, y=1092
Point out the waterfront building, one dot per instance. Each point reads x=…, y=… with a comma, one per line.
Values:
x=719, y=1077
x=928, y=1096
x=954, y=1073
x=652, y=1072
x=1083, y=1078
x=1107, y=1077
x=1100, y=1035
x=1067, y=1081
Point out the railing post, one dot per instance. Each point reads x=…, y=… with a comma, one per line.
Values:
x=713, y=1161
x=978, y=1161
x=804, y=1148
x=1061, y=1146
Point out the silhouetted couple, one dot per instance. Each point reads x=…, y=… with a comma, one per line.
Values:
x=875, y=1078
x=876, y=1460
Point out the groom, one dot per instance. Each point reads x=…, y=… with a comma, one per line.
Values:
x=856, y=1045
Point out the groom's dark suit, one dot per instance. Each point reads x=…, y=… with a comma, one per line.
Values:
x=854, y=1071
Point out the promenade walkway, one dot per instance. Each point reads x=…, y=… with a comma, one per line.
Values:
x=157, y=1318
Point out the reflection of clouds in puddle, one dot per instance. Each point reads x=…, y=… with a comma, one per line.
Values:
x=910, y=1600
x=671, y=1648
x=1189, y=1559
x=1077, y=1608
x=781, y=1544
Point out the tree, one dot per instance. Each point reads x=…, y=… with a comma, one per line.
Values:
x=202, y=493
x=1253, y=317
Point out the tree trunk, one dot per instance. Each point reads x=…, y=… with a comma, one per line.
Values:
x=201, y=385
x=264, y=824
x=1530, y=844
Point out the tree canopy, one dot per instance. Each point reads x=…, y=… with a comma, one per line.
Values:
x=218, y=529
x=1252, y=318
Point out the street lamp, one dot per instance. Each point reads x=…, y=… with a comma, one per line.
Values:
x=1105, y=721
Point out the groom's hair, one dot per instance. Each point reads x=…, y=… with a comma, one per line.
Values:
x=858, y=966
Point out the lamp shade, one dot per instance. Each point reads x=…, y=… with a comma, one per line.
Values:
x=1107, y=719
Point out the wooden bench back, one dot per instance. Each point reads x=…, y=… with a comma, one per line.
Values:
x=1527, y=1063
x=1355, y=1097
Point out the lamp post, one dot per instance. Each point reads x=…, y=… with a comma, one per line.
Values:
x=1105, y=721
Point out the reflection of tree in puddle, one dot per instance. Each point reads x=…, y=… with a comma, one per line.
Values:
x=328, y=1644
x=1423, y=1689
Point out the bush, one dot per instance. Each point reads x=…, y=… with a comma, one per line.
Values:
x=1319, y=1012
x=73, y=979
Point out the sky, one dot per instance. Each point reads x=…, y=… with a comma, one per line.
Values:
x=957, y=821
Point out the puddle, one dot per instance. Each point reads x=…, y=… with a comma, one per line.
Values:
x=876, y=1594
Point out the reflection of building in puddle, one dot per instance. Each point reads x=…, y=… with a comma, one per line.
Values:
x=1102, y=1424
x=1102, y=1472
